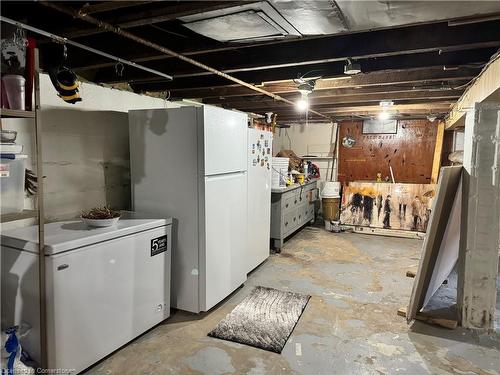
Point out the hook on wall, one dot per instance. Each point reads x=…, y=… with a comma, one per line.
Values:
x=119, y=68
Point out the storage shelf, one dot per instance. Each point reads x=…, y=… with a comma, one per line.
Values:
x=13, y=113
x=317, y=157
x=25, y=214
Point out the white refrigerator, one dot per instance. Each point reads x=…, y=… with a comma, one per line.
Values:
x=190, y=163
x=260, y=144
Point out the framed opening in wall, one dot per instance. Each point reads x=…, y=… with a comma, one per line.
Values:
x=377, y=126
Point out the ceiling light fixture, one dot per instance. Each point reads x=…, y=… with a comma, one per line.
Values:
x=306, y=88
x=302, y=104
x=386, y=103
x=351, y=68
x=431, y=118
x=384, y=115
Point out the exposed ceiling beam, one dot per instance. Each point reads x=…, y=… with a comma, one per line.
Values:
x=395, y=90
x=256, y=66
x=424, y=108
x=106, y=6
x=333, y=70
x=330, y=69
x=364, y=98
x=156, y=15
x=380, y=78
x=480, y=90
x=437, y=38
x=135, y=38
x=442, y=108
x=281, y=74
x=474, y=19
x=414, y=107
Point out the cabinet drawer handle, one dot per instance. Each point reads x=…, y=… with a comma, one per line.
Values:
x=300, y=216
x=295, y=201
x=286, y=205
x=294, y=218
x=286, y=223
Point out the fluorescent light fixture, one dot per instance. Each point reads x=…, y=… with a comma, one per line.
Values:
x=302, y=104
x=384, y=115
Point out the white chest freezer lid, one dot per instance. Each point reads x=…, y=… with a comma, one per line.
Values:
x=68, y=235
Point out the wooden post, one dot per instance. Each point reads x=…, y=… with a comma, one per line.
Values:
x=438, y=149
x=40, y=217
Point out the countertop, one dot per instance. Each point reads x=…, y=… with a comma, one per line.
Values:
x=293, y=187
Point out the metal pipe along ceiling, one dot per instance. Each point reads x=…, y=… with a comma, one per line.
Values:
x=110, y=28
x=82, y=46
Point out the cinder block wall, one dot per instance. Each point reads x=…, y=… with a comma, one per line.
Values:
x=85, y=148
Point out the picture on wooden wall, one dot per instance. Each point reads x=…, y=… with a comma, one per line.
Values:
x=387, y=205
x=380, y=126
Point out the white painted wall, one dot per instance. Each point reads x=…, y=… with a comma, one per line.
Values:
x=309, y=139
x=85, y=147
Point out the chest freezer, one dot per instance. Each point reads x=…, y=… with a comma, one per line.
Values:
x=104, y=286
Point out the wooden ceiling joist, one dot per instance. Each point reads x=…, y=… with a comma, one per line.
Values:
x=399, y=111
x=333, y=69
x=428, y=64
x=155, y=15
x=422, y=106
x=123, y=33
x=364, y=45
x=484, y=86
x=360, y=98
x=374, y=79
x=410, y=108
x=106, y=6
x=393, y=91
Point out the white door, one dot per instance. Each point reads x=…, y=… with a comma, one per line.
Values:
x=225, y=140
x=225, y=236
x=259, y=196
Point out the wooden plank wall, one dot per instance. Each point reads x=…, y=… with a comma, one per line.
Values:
x=447, y=148
x=410, y=152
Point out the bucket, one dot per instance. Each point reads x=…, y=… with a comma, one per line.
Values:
x=14, y=85
x=331, y=189
x=279, y=177
x=279, y=174
x=330, y=208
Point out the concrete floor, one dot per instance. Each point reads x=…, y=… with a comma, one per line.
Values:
x=357, y=283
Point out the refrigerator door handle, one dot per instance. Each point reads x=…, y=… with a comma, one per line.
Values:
x=224, y=176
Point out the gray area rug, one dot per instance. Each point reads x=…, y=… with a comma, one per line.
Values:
x=264, y=319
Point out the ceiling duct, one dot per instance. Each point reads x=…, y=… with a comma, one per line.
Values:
x=242, y=23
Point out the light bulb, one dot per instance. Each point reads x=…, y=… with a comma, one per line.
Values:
x=302, y=105
x=384, y=115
